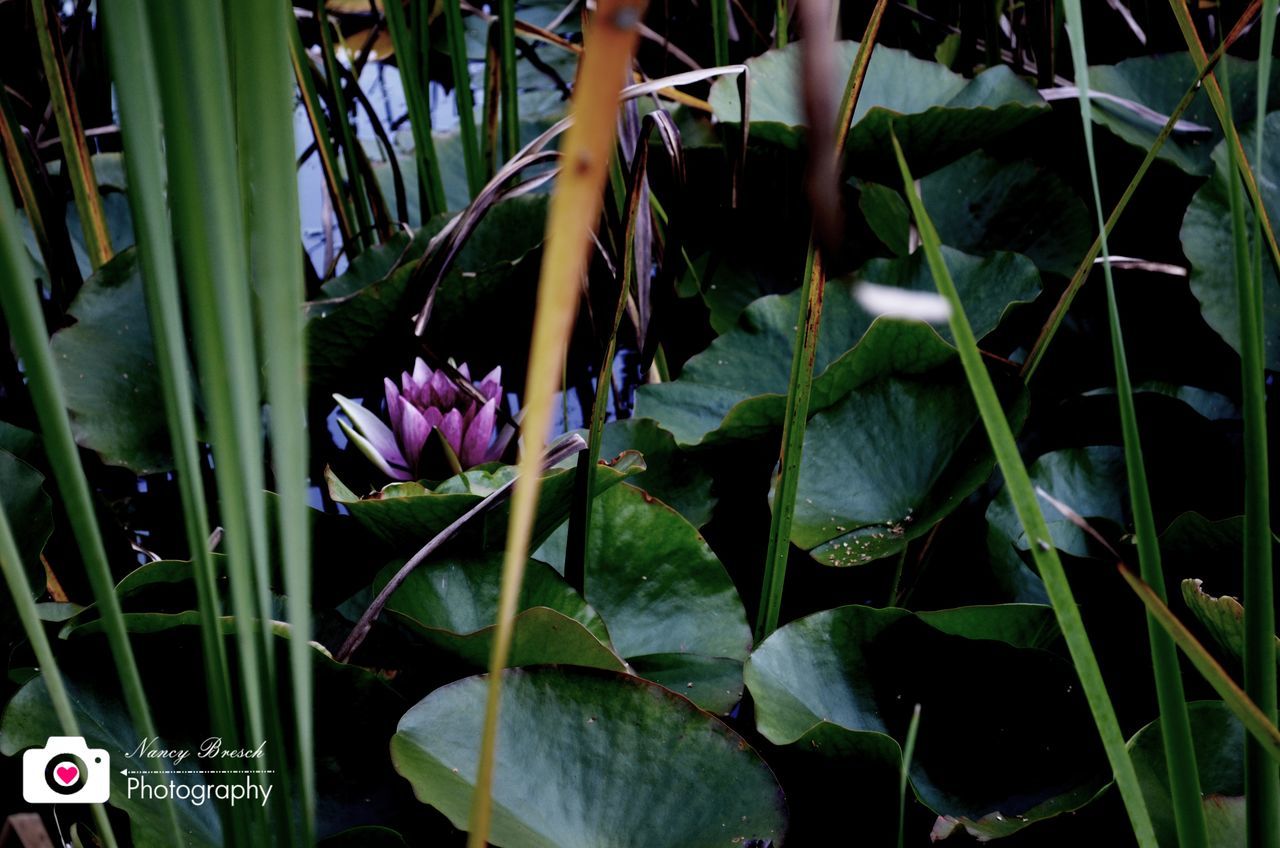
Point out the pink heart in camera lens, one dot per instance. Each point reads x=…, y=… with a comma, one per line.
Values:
x=67, y=774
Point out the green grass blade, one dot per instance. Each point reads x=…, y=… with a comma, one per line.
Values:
x=574, y=211
x=1261, y=777
x=205, y=200
x=84, y=186
x=266, y=149
x=22, y=312
x=303, y=72
x=781, y=20
x=15, y=578
x=462, y=93
x=720, y=30
x=510, y=79
x=1262, y=730
x=800, y=384
x=341, y=118
x=129, y=52
x=413, y=81
x=904, y=774
x=1033, y=523
x=1175, y=724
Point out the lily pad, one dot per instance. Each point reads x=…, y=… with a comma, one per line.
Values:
x=1158, y=83
x=588, y=759
x=981, y=205
x=454, y=605
x=938, y=115
x=841, y=684
x=1208, y=245
x=1222, y=616
x=408, y=515
x=106, y=362
x=1218, y=739
x=736, y=388
x=671, y=474
x=887, y=461
x=667, y=600
x=887, y=215
x=1089, y=480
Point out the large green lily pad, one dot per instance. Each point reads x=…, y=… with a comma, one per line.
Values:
x=671, y=474
x=669, y=603
x=1222, y=616
x=1218, y=739
x=1158, y=83
x=887, y=461
x=586, y=759
x=938, y=115
x=736, y=388
x=981, y=204
x=1089, y=480
x=408, y=515
x=1206, y=240
x=454, y=605
x=843, y=683
x=106, y=362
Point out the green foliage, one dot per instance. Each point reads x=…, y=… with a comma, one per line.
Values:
x=677, y=776
x=186, y=283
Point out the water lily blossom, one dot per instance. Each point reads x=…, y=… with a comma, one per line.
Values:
x=426, y=401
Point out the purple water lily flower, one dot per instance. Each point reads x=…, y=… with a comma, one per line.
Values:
x=427, y=401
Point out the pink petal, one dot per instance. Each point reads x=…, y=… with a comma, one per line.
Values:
x=491, y=385
x=421, y=373
x=443, y=392
x=393, y=403
x=475, y=445
x=464, y=371
x=451, y=429
x=414, y=430
x=433, y=416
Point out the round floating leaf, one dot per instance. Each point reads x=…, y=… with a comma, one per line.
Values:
x=1218, y=738
x=886, y=462
x=665, y=596
x=671, y=474
x=843, y=684
x=1222, y=616
x=588, y=759
x=938, y=115
x=981, y=205
x=1206, y=241
x=1089, y=480
x=106, y=362
x=736, y=388
x=454, y=606
x=1158, y=83
x=887, y=216
x=408, y=515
